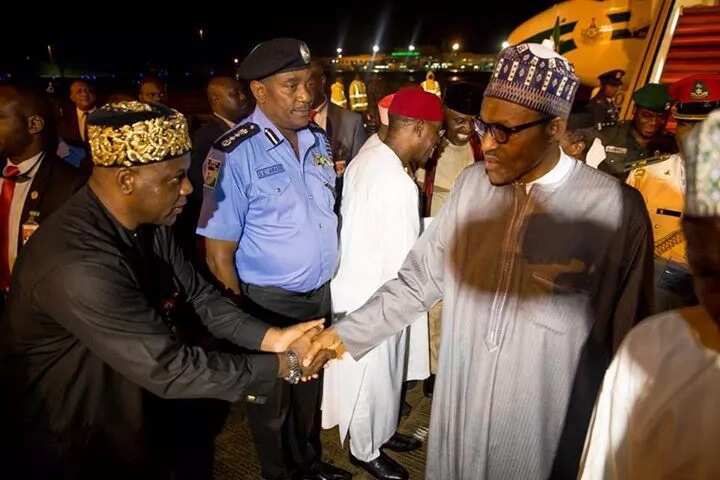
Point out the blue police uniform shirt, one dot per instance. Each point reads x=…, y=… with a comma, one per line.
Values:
x=277, y=208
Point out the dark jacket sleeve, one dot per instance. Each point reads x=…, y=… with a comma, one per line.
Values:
x=220, y=315
x=636, y=287
x=359, y=135
x=101, y=305
x=598, y=110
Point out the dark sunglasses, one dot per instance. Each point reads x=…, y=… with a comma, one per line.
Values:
x=500, y=133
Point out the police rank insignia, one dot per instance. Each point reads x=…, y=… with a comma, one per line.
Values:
x=212, y=172
x=322, y=160
x=241, y=132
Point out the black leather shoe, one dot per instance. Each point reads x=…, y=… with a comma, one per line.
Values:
x=429, y=386
x=325, y=471
x=382, y=468
x=402, y=443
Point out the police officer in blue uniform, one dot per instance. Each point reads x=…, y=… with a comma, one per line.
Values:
x=271, y=237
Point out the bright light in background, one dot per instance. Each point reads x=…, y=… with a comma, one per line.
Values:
x=456, y=47
x=376, y=48
x=339, y=50
x=411, y=48
x=236, y=60
x=505, y=44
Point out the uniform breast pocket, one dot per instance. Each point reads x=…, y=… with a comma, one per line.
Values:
x=322, y=183
x=273, y=185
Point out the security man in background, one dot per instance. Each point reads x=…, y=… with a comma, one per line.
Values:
x=617, y=150
x=602, y=106
x=662, y=185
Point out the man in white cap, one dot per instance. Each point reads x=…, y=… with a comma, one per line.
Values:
x=543, y=265
x=657, y=415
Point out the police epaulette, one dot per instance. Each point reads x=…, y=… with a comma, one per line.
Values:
x=235, y=136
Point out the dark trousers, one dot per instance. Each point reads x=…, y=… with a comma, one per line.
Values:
x=286, y=428
x=673, y=286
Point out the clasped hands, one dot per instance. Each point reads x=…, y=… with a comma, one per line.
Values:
x=314, y=345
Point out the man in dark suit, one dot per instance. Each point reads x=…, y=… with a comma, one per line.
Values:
x=344, y=128
x=35, y=181
x=73, y=126
x=73, y=123
x=229, y=102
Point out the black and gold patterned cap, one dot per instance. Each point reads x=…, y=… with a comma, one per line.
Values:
x=136, y=133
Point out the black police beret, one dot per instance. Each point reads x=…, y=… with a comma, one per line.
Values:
x=275, y=56
x=613, y=77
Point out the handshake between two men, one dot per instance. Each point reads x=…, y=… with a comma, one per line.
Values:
x=303, y=349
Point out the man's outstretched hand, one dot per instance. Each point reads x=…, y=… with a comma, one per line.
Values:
x=279, y=339
x=326, y=341
x=302, y=346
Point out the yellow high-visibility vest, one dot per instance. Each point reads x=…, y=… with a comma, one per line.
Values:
x=358, y=96
x=337, y=94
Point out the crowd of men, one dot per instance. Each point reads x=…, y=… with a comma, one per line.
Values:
x=500, y=244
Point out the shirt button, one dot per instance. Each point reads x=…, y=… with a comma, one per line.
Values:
x=310, y=197
x=277, y=189
x=321, y=226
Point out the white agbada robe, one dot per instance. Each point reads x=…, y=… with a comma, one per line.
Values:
x=657, y=414
x=380, y=224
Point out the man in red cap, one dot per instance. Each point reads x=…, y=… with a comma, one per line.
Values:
x=662, y=185
x=380, y=224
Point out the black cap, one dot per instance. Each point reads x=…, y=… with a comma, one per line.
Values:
x=613, y=77
x=463, y=97
x=275, y=56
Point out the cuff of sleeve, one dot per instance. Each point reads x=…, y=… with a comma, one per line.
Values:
x=251, y=334
x=221, y=232
x=264, y=369
x=345, y=330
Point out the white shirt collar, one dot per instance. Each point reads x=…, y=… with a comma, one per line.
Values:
x=322, y=106
x=228, y=122
x=557, y=174
x=80, y=113
x=27, y=165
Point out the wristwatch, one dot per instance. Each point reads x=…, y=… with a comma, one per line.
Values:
x=294, y=367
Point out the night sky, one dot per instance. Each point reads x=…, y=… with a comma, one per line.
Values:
x=122, y=35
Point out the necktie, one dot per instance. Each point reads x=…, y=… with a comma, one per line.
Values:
x=6, y=195
x=83, y=127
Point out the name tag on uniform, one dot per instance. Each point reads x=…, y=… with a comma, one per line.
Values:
x=669, y=213
x=616, y=150
x=269, y=171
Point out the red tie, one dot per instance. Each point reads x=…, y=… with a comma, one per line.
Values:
x=8, y=187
